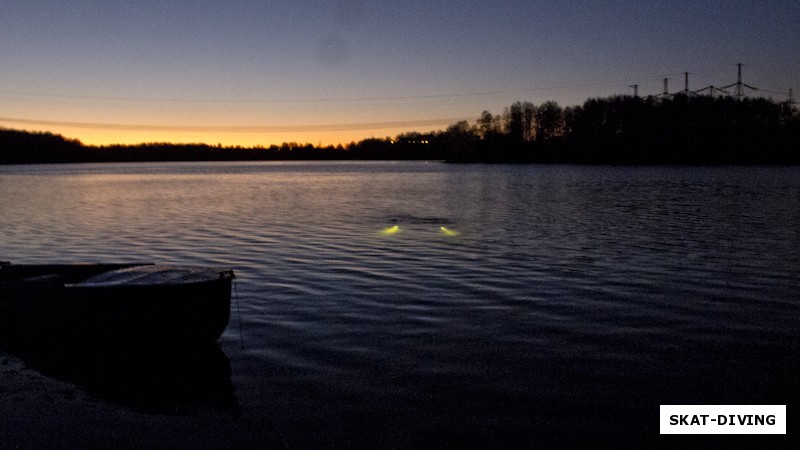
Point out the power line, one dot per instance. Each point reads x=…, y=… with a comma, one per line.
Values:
x=711, y=90
x=770, y=91
x=316, y=100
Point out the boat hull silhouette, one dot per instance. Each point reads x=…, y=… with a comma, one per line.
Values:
x=117, y=302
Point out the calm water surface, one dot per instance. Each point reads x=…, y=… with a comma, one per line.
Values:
x=558, y=302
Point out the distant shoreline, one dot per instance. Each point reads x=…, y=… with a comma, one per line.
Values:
x=623, y=130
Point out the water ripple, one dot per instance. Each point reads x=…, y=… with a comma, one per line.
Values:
x=578, y=284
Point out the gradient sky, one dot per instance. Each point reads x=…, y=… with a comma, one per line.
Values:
x=247, y=72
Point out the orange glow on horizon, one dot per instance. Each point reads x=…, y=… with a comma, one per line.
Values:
x=227, y=133
x=101, y=137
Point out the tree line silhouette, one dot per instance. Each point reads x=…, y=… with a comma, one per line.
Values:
x=681, y=129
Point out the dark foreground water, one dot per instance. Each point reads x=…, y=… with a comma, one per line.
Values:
x=558, y=305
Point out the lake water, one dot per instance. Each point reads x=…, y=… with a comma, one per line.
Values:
x=406, y=304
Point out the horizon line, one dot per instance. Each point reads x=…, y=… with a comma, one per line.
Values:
x=355, y=126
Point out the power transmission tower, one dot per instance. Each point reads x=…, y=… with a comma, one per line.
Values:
x=635, y=90
x=686, y=91
x=665, y=94
x=739, y=91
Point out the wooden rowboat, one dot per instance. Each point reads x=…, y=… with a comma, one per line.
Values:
x=118, y=302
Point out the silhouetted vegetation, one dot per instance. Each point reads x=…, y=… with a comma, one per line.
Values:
x=632, y=130
x=19, y=147
x=616, y=130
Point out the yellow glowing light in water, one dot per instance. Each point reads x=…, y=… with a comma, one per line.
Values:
x=390, y=231
x=448, y=232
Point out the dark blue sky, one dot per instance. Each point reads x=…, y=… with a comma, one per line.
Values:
x=333, y=71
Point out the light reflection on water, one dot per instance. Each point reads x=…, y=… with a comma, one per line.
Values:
x=561, y=292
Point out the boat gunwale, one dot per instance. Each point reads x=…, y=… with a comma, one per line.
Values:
x=70, y=276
